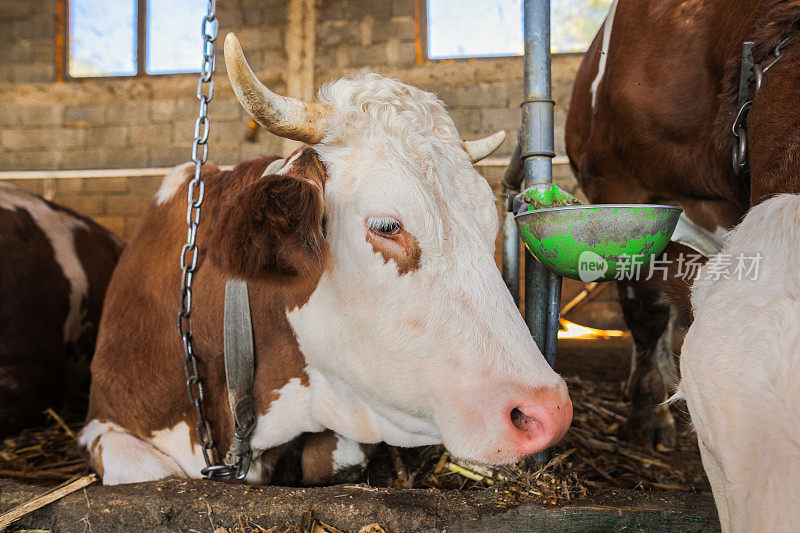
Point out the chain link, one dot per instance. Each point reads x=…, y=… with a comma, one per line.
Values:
x=190, y=252
x=739, y=128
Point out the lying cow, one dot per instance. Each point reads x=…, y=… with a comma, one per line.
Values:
x=54, y=269
x=650, y=121
x=378, y=311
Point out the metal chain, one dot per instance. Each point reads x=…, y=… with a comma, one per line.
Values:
x=739, y=128
x=190, y=252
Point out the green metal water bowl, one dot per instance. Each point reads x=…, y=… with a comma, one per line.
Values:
x=597, y=242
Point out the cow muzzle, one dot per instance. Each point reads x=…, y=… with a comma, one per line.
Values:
x=505, y=422
x=535, y=425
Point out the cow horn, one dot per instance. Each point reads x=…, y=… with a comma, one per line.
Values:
x=286, y=117
x=480, y=148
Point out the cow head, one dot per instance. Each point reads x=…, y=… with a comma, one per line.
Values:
x=410, y=335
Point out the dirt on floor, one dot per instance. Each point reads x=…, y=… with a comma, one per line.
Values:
x=196, y=505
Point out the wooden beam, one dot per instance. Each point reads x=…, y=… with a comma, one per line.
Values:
x=60, y=51
x=420, y=32
x=141, y=38
x=47, y=498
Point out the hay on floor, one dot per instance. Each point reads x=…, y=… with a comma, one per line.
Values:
x=591, y=457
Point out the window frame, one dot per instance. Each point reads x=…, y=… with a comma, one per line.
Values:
x=421, y=10
x=141, y=48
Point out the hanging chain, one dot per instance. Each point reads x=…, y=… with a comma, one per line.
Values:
x=739, y=128
x=190, y=252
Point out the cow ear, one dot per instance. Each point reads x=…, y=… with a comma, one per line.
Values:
x=272, y=229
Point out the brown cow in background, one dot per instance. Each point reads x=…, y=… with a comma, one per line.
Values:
x=54, y=269
x=650, y=122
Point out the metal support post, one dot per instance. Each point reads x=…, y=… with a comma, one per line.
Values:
x=542, y=288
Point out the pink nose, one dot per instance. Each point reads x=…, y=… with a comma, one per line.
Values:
x=540, y=423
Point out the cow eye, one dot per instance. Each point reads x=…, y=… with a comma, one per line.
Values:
x=384, y=225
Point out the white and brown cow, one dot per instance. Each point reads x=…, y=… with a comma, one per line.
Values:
x=650, y=121
x=54, y=269
x=378, y=311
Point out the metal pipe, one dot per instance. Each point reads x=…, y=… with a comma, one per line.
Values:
x=551, y=336
x=553, y=313
x=537, y=152
x=512, y=180
x=542, y=289
x=511, y=255
x=513, y=173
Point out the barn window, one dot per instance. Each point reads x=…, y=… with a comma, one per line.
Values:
x=133, y=37
x=486, y=28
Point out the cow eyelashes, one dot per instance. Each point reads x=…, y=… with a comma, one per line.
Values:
x=384, y=225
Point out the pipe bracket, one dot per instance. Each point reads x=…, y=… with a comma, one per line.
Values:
x=538, y=153
x=537, y=100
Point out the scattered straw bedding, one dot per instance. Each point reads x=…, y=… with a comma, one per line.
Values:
x=307, y=525
x=588, y=459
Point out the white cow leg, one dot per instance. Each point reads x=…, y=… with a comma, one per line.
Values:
x=120, y=457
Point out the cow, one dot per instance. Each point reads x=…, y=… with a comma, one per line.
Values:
x=650, y=121
x=740, y=378
x=54, y=269
x=378, y=312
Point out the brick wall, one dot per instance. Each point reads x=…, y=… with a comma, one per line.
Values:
x=27, y=40
x=125, y=123
x=147, y=122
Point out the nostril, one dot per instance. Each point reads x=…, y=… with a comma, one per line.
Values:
x=522, y=421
